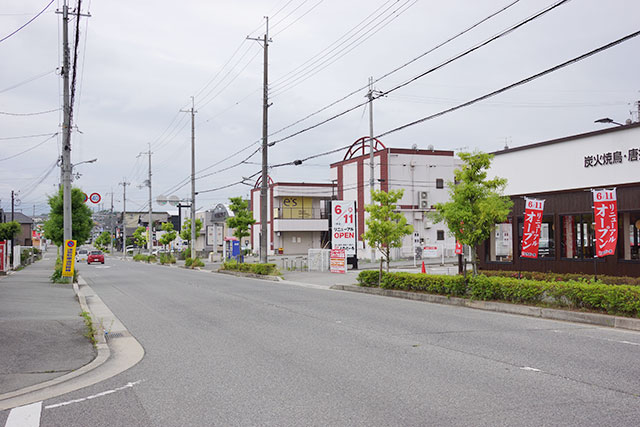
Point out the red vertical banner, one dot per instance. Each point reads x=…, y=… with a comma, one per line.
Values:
x=605, y=214
x=531, y=229
x=458, y=248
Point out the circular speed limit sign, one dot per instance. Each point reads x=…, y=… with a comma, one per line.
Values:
x=95, y=198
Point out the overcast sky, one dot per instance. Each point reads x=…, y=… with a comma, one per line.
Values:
x=139, y=63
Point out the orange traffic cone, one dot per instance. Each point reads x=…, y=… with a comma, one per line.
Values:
x=424, y=270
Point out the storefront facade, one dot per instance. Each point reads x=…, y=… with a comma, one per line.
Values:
x=563, y=172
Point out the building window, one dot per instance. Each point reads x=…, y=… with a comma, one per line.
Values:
x=629, y=236
x=439, y=183
x=440, y=234
x=547, y=245
x=501, y=242
x=577, y=236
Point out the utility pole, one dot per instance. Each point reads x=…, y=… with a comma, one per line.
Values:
x=371, y=165
x=111, y=225
x=150, y=232
x=193, y=177
x=124, y=184
x=265, y=127
x=13, y=239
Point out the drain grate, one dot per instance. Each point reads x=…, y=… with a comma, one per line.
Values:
x=112, y=335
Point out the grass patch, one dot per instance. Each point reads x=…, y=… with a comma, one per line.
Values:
x=91, y=331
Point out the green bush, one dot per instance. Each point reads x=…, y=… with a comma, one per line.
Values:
x=56, y=276
x=165, y=258
x=623, y=300
x=151, y=258
x=197, y=262
x=188, y=261
x=563, y=277
x=139, y=257
x=261, y=269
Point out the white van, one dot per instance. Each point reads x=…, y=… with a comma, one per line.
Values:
x=82, y=255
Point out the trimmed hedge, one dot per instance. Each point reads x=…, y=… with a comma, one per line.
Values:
x=622, y=300
x=261, y=269
x=563, y=277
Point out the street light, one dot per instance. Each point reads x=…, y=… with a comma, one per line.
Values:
x=607, y=120
x=79, y=163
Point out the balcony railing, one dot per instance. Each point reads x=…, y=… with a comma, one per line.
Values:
x=300, y=213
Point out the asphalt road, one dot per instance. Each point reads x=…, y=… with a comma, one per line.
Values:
x=226, y=351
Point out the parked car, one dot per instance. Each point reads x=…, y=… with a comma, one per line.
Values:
x=95, y=256
x=82, y=255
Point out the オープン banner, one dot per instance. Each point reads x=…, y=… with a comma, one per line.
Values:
x=605, y=214
x=531, y=228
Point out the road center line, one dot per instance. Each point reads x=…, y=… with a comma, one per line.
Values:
x=25, y=416
x=104, y=393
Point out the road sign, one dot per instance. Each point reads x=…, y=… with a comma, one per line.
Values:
x=95, y=198
x=69, y=258
x=85, y=197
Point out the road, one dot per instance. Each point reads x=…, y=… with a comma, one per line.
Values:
x=223, y=351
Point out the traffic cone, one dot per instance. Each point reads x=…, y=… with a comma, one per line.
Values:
x=424, y=270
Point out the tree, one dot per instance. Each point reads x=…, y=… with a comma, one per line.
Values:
x=8, y=230
x=385, y=226
x=102, y=241
x=476, y=205
x=140, y=236
x=81, y=221
x=241, y=219
x=169, y=234
x=185, y=234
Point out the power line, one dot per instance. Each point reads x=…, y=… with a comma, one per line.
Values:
x=437, y=67
x=29, y=80
x=29, y=149
x=28, y=22
x=28, y=114
x=5, y=138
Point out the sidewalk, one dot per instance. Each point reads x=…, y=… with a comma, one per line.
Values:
x=41, y=331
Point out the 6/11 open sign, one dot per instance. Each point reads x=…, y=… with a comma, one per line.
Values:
x=343, y=226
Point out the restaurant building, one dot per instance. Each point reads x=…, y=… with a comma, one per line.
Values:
x=562, y=172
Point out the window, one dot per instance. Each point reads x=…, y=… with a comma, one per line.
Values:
x=440, y=234
x=547, y=245
x=577, y=236
x=439, y=183
x=501, y=242
x=629, y=241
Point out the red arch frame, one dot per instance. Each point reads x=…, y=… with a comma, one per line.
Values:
x=360, y=145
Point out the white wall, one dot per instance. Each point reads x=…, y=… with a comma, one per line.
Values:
x=560, y=166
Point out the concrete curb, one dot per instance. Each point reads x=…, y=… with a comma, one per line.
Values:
x=112, y=358
x=501, y=307
x=251, y=275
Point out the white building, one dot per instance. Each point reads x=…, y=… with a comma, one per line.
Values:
x=422, y=174
x=298, y=217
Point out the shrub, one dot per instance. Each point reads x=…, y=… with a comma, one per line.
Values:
x=167, y=259
x=197, y=262
x=139, y=257
x=151, y=258
x=261, y=269
x=621, y=300
x=188, y=261
x=56, y=276
x=564, y=277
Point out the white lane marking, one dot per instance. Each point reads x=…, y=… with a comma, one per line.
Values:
x=104, y=393
x=528, y=368
x=25, y=416
x=103, y=266
x=629, y=342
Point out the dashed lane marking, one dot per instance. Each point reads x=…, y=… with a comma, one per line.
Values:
x=104, y=393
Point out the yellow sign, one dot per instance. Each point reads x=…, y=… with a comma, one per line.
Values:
x=69, y=258
x=296, y=207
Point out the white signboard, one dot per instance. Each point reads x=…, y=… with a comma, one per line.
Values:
x=430, y=251
x=343, y=226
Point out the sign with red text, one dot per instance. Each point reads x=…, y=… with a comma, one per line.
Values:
x=458, y=248
x=531, y=228
x=343, y=226
x=605, y=214
x=3, y=254
x=338, y=261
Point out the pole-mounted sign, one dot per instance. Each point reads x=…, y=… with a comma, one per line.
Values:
x=68, y=258
x=95, y=198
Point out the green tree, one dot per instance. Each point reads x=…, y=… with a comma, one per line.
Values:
x=169, y=235
x=185, y=234
x=140, y=237
x=8, y=230
x=103, y=240
x=81, y=221
x=476, y=203
x=385, y=226
x=241, y=219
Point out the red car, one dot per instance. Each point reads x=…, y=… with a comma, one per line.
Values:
x=95, y=256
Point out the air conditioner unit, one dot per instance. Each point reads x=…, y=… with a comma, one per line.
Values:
x=427, y=225
x=422, y=195
x=424, y=205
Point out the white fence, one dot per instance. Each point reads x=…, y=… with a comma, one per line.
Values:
x=318, y=259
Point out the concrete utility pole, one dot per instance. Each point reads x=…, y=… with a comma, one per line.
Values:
x=265, y=127
x=111, y=225
x=66, y=128
x=372, y=169
x=150, y=231
x=124, y=184
x=193, y=177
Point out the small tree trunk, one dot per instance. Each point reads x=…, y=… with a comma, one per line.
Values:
x=380, y=273
x=474, y=261
x=387, y=253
